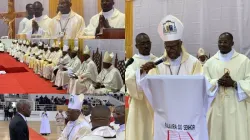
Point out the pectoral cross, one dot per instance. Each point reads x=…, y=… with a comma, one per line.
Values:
x=10, y=17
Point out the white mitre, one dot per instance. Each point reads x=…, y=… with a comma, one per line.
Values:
x=27, y=43
x=170, y=28
x=108, y=58
x=201, y=52
x=75, y=102
x=65, y=48
x=76, y=48
x=86, y=50
x=40, y=44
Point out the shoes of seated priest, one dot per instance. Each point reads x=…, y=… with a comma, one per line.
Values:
x=59, y=88
x=54, y=86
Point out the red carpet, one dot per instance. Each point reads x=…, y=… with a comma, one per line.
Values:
x=34, y=135
x=22, y=82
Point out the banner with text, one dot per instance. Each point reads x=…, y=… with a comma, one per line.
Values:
x=180, y=106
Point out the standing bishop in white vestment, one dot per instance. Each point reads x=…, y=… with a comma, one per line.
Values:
x=62, y=76
x=42, y=20
x=201, y=55
x=66, y=24
x=175, y=61
x=76, y=127
x=110, y=17
x=139, y=106
x=109, y=79
x=229, y=73
x=85, y=76
x=45, y=125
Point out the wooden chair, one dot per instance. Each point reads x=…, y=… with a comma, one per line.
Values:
x=120, y=65
x=97, y=58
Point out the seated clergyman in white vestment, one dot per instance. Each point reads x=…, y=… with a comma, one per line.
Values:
x=63, y=61
x=43, y=59
x=45, y=125
x=109, y=79
x=175, y=61
x=36, y=32
x=110, y=17
x=37, y=54
x=21, y=50
x=47, y=70
x=139, y=107
x=66, y=24
x=30, y=13
x=100, y=118
x=229, y=73
x=86, y=111
x=85, y=76
x=1, y=46
x=12, y=47
x=26, y=50
x=42, y=20
x=76, y=127
x=201, y=55
x=62, y=76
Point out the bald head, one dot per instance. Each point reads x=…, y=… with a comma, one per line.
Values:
x=119, y=114
x=24, y=108
x=120, y=108
x=143, y=44
x=100, y=116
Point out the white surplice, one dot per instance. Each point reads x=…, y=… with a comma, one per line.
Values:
x=45, y=125
x=22, y=25
x=116, y=20
x=1, y=47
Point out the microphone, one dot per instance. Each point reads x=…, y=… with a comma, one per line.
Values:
x=130, y=61
x=160, y=61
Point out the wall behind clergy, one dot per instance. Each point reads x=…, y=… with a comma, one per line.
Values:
x=116, y=46
x=203, y=20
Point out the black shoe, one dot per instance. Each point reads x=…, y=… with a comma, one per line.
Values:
x=54, y=86
x=59, y=88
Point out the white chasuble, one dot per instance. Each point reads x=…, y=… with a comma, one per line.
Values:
x=229, y=113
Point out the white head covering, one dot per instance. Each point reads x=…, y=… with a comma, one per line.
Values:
x=201, y=52
x=40, y=44
x=65, y=48
x=46, y=46
x=108, y=58
x=86, y=50
x=20, y=41
x=75, y=101
x=76, y=48
x=170, y=28
x=24, y=41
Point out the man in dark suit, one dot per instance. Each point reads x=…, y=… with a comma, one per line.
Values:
x=18, y=126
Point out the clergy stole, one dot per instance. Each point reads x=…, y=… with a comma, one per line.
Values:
x=180, y=105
